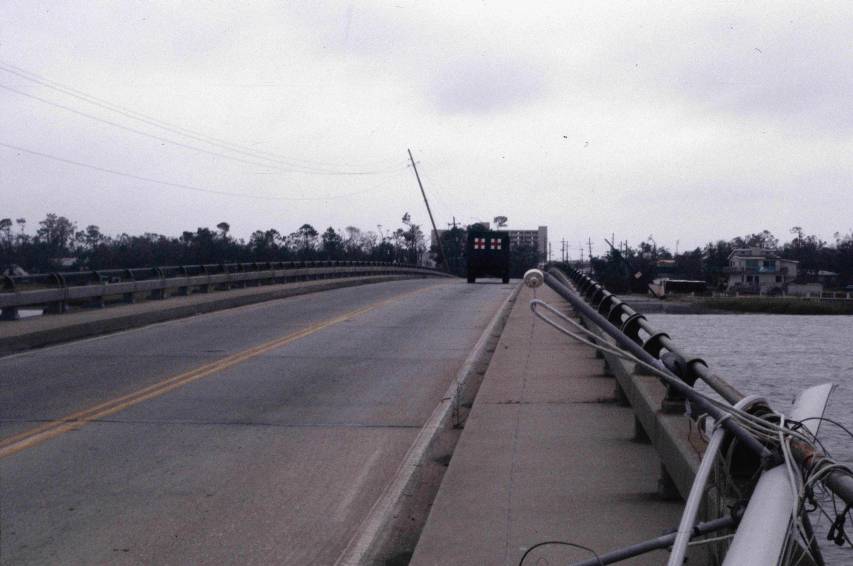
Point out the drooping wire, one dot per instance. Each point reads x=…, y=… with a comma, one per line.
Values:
x=173, y=184
x=190, y=146
x=759, y=426
x=802, y=481
x=558, y=543
x=830, y=421
x=307, y=166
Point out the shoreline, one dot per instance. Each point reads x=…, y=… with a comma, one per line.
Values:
x=756, y=305
x=737, y=305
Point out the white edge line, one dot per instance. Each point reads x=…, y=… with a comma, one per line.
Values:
x=357, y=551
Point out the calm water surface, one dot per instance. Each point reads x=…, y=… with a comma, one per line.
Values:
x=777, y=356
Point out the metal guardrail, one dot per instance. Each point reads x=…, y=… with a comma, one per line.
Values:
x=55, y=291
x=659, y=344
x=666, y=425
x=659, y=407
x=659, y=410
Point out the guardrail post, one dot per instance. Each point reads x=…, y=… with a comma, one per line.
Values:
x=243, y=283
x=57, y=307
x=98, y=302
x=619, y=394
x=254, y=282
x=205, y=288
x=129, y=298
x=233, y=284
x=640, y=434
x=183, y=291
x=158, y=294
x=9, y=313
x=666, y=486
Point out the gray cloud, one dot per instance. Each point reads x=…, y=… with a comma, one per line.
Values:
x=703, y=120
x=788, y=68
x=483, y=86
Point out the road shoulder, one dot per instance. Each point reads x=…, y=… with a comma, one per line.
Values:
x=546, y=454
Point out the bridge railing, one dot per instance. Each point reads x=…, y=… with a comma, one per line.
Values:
x=659, y=344
x=659, y=409
x=56, y=291
x=658, y=398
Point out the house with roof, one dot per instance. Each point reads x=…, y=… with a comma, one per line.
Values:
x=759, y=270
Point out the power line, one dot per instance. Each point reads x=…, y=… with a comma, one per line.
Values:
x=306, y=166
x=71, y=91
x=176, y=185
x=181, y=144
x=148, y=135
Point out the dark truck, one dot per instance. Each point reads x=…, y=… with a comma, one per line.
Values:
x=488, y=255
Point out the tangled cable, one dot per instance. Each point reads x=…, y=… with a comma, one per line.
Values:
x=773, y=430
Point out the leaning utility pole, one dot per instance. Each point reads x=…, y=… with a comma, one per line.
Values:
x=432, y=221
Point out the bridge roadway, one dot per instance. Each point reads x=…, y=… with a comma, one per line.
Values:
x=257, y=435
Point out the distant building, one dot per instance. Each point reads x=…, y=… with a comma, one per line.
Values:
x=827, y=278
x=63, y=263
x=759, y=270
x=665, y=267
x=537, y=239
x=14, y=270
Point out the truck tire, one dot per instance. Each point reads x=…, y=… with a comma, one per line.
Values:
x=470, y=279
x=505, y=279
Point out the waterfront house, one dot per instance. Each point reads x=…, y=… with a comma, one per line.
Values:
x=759, y=270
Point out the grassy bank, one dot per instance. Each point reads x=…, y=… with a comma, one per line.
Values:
x=779, y=306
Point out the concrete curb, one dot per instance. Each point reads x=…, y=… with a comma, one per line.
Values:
x=123, y=321
x=668, y=433
x=374, y=539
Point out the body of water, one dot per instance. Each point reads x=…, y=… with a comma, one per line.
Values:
x=778, y=356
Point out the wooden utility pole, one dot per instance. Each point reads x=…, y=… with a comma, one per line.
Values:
x=429, y=211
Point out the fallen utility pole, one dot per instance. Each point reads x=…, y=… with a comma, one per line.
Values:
x=429, y=211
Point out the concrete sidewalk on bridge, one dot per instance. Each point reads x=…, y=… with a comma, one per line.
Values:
x=546, y=454
x=35, y=332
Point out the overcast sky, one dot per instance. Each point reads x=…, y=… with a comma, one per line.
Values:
x=685, y=121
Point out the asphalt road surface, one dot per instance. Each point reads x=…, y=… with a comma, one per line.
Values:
x=256, y=435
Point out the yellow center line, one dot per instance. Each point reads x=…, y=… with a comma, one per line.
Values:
x=75, y=421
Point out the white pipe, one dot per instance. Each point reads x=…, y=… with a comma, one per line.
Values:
x=764, y=528
x=697, y=490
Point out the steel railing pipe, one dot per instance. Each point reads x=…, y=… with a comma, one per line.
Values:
x=632, y=323
x=745, y=438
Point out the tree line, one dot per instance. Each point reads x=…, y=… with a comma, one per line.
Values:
x=632, y=268
x=58, y=244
